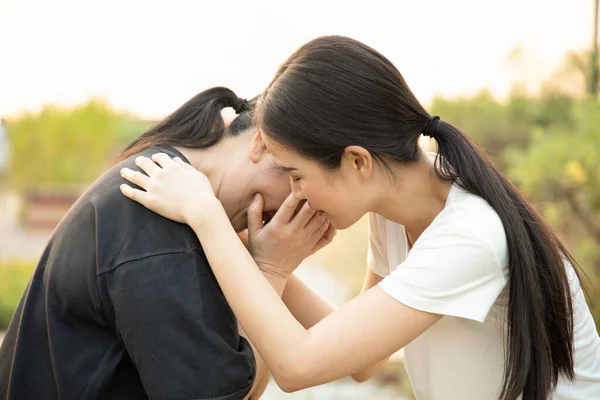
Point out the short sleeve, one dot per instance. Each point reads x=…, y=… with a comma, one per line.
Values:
x=178, y=329
x=377, y=259
x=448, y=272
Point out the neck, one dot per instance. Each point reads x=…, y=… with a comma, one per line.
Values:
x=216, y=161
x=414, y=202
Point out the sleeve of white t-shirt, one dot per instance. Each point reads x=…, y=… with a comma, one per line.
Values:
x=377, y=259
x=449, y=271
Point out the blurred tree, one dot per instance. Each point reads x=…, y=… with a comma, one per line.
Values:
x=560, y=170
x=129, y=128
x=496, y=125
x=58, y=147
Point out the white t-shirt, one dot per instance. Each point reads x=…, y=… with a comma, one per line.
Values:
x=459, y=268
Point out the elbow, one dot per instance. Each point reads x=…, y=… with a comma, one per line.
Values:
x=368, y=373
x=288, y=386
x=362, y=376
x=292, y=377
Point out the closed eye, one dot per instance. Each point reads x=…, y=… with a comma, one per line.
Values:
x=286, y=169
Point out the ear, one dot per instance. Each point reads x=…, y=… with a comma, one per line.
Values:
x=257, y=148
x=358, y=160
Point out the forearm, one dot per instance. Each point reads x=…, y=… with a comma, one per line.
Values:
x=309, y=307
x=297, y=358
x=306, y=305
x=229, y=257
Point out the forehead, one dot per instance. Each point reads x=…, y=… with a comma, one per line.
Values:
x=282, y=154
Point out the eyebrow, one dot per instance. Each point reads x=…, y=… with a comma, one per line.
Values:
x=286, y=169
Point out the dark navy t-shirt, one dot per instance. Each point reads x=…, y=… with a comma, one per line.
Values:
x=123, y=305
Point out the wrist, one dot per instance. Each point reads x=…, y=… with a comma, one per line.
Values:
x=277, y=279
x=201, y=213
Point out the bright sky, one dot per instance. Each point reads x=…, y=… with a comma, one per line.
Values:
x=148, y=57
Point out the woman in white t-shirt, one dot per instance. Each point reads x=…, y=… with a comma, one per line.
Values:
x=463, y=273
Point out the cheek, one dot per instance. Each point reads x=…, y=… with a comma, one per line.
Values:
x=336, y=200
x=275, y=194
x=320, y=196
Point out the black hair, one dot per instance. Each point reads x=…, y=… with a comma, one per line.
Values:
x=335, y=92
x=196, y=124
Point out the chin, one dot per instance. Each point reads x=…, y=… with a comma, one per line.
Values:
x=240, y=226
x=341, y=223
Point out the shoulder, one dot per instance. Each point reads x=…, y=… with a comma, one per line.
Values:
x=380, y=227
x=468, y=220
x=377, y=225
x=465, y=244
x=161, y=261
x=126, y=230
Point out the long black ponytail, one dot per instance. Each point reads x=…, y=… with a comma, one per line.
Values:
x=196, y=124
x=336, y=92
x=540, y=312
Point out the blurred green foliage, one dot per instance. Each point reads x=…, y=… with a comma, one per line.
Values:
x=129, y=128
x=67, y=148
x=560, y=171
x=58, y=147
x=14, y=277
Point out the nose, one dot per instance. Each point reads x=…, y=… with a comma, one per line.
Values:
x=297, y=191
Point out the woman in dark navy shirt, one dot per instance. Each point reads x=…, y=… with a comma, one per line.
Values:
x=123, y=303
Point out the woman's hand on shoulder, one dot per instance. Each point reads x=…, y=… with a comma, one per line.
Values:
x=171, y=188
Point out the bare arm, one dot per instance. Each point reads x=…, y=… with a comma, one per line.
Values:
x=359, y=334
x=309, y=307
x=348, y=340
x=371, y=280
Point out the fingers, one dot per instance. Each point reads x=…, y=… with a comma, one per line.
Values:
x=180, y=162
x=255, y=215
x=135, y=194
x=147, y=165
x=136, y=178
x=286, y=211
x=163, y=160
x=330, y=232
x=316, y=221
x=304, y=215
x=326, y=238
x=319, y=231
